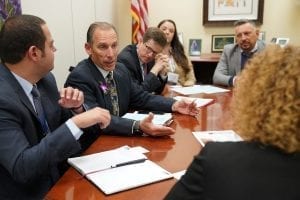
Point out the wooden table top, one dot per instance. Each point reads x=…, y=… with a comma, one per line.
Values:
x=173, y=153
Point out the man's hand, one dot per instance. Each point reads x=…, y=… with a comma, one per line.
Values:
x=91, y=117
x=161, y=64
x=149, y=128
x=71, y=98
x=185, y=106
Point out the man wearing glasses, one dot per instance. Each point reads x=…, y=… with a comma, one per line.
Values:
x=146, y=64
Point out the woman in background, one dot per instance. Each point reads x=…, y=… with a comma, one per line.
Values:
x=180, y=68
x=266, y=164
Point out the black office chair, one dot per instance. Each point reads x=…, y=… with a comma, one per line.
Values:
x=71, y=68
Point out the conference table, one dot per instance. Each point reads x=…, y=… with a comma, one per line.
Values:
x=174, y=153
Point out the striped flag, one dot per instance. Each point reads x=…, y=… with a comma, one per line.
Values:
x=139, y=12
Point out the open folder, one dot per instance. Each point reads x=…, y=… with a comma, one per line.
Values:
x=119, y=169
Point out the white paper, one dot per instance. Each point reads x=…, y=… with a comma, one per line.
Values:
x=98, y=169
x=196, y=89
x=216, y=136
x=157, y=120
x=129, y=176
x=200, y=102
x=179, y=174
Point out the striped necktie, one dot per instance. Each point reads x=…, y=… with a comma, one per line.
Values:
x=113, y=93
x=39, y=109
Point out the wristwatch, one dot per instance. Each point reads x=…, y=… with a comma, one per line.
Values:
x=136, y=128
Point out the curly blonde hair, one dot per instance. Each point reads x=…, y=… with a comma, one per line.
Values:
x=266, y=103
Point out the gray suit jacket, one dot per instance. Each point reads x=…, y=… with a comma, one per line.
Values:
x=86, y=77
x=230, y=63
x=240, y=170
x=28, y=160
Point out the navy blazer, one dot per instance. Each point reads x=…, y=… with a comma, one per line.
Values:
x=128, y=56
x=28, y=160
x=240, y=170
x=87, y=77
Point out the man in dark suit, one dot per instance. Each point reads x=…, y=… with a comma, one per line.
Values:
x=90, y=76
x=146, y=64
x=37, y=128
x=234, y=56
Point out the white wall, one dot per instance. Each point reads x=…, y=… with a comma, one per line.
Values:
x=68, y=21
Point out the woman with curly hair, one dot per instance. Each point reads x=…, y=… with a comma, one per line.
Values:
x=180, y=66
x=266, y=114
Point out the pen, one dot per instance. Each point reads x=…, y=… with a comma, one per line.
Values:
x=169, y=122
x=141, y=160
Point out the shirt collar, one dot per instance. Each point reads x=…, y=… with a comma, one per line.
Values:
x=26, y=85
x=104, y=72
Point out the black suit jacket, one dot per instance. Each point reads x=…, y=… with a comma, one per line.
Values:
x=28, y=160
x=128, y=56
x=87, y=77
x=240, y=171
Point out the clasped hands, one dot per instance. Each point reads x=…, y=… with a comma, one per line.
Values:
x=161, y=65
x=73, y=98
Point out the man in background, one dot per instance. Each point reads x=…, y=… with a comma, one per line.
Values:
x=235, y=56
x=146, y=64
x=38, y=131
x=108, y=84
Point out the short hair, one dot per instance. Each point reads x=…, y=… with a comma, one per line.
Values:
x=243, y=21
x=94, y=26
x=156, y=35
x=18, y=34
x=269, y=111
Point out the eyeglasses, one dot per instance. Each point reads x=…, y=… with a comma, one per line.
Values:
x=150, y=50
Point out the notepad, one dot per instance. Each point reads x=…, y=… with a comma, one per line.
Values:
x=101, y=170
x=157, y=120
x=216, y=136
x=200, y=102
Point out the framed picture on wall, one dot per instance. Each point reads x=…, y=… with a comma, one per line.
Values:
x=195, y=47
x=219, y=41
x=225, y=12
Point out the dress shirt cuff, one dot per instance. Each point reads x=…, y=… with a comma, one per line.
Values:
x=76, y=132
x=163, y=77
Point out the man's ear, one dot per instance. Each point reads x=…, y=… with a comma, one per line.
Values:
x=33, y=53
x=88, y=48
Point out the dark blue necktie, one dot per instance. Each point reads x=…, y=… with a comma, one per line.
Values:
x=39, y=109
x=244, y=57
x=113, y=93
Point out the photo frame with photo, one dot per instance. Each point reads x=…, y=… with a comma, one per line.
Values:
x=195, y=47
x=219, y=41
x=226, y=12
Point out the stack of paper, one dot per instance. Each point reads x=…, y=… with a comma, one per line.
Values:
x=119, y=169
x=216, y=136
x=200, y=102
x=158, y=119
x=196, y=89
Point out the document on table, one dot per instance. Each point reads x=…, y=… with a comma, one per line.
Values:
x=200, y=102
x=216, y=136
x=119, y=169
x=208, y=89
x=158, y=119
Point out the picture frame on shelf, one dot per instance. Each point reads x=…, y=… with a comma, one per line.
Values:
x=226, y=12
x=219, y=41
x=195, y=47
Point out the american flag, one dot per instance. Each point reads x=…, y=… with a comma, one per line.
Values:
x=139, y=12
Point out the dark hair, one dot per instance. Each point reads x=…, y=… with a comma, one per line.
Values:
x=94, y=26
x=18, y=34
x=177, y=47
x=243, y=21
x=156, y=35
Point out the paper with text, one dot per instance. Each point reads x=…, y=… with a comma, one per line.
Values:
x=216, y=136
x=157, y=120
x=200, y=102
x=196, y=89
